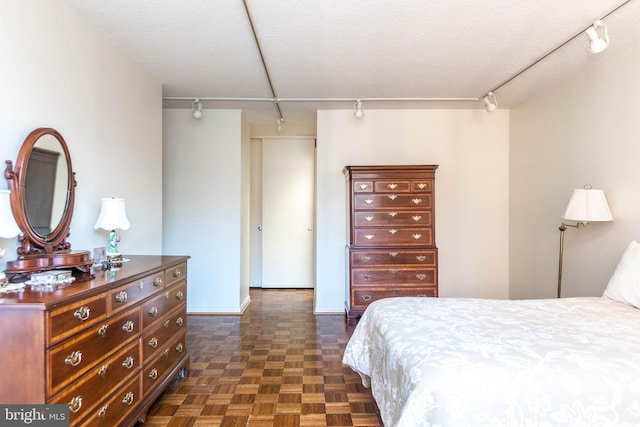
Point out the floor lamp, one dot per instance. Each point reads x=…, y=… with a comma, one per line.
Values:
x=585, y=205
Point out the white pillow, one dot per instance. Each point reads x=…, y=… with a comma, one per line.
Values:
x=624, y=285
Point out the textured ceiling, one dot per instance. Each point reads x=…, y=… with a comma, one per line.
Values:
x=348, y=49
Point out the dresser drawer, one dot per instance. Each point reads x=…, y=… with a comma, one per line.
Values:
x=157, y=338
x=72, y=318
x=70, y=359
x=160, y=305
x=166, y=360
x=117, y=407
x=98, y=382
x=395, y=218
x=397, y=186
x=362, y=297
x=392, y=201
x=389, y=236
x=398, y=277
x=175, y=274
x=393, y=256
x=132, y=292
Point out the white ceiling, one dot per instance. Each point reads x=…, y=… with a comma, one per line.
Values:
x=348, y=49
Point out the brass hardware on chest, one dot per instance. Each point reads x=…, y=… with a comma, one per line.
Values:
x=166, y=295
x=82, y=313
x=103, y=371
x=393, y=231
x=128, y=362
x=416, y=236
x=177, y=273
x=394, y=291
x=179, y=321
x=393, y=214
x=153, y=342
x=103, y=411
x=368, y=201
x=421, y=258
x=157, y=281
x=393, y=271
x=363, y=186
x=103, y=330
x=180, y=296
x=179, y=348
x=128, y=399
x=129, y=326
x=153, y=374
x=421, y=295
x=393, y=254
x=121, y=297
x=421, y=276
x=366, y=297
x=417, y=217
x=392, y=186
x=369, y=236
x=167, y=323
x=141, y=284
x=75, y=404
x=416, y=201
x=365, y=258
x=153, y=312
x=74, y=358
x=392, y=196
x=366, y=277
x=422, y=185
x=368, y=218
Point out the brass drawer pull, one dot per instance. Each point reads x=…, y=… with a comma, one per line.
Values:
x=177, y=273
x=166, y=352
x=417, y=217
x=368, y=201
x=141, y=284
x=393, y=231
x=416, y=201
x=369, y=218
x=421, y=295
x=103, y=411
x=121, y=297
x=82, y=313
x=392, y=196
x=129, y=326
x=128, y=399
x=103, y=330
x=394, y=291
x=167, y=323
x=421, y=276
x=393, y=214
x=369, y=236
x=157, y=281
x=364, y=186
x=392, y=186
x=421, y=258
x=166, y=295
x=103, y=371
x=366, y=276
x=366, y=297
x=74, y=358
x=75, y=404
x=153, y=312
x=179, y=348
x=128, y=362
x=153, y=374
x=422, y=185
x=417, y=236
x=393, y=271
x=366, y=258
x=179, y=321
x=153, y=342
x=393, y=254
x=180, y=296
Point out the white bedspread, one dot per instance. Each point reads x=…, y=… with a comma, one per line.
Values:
x=474, y=362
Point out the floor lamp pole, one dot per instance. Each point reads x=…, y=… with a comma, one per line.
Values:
x=562, y=228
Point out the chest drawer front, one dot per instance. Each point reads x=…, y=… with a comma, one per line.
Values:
x=168, y=358
x=397, y=186
x=422, y=185
x=160, y=305
x=393, y=276
x=71, y=359
x=394, y=218
x=393, y=257
x=392, y=201
x=361, y=298
x=127, y=295
x=117, y=407
x=157, y=338
x=93, y=387
x=72, y=318
x=175, y=274
x=393, y=237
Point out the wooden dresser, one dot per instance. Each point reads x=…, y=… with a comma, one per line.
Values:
x=392, y=250
x=106, y=347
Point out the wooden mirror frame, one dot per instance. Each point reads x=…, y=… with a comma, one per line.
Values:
x=36, y=252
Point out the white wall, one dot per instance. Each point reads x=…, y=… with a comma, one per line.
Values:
x=58, y=72
x=585, y=131
x=203, y=204
x=471, y=148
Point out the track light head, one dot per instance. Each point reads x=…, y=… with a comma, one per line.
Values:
x=280, y=125
x=597, y=44
x=490, y=102
x=196, y=109
x=358, y=109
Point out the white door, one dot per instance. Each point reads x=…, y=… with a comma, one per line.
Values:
x=287, y=212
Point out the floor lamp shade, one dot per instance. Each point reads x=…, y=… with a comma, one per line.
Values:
x=586, y=205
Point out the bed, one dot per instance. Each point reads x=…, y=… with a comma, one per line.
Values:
x=482, y=362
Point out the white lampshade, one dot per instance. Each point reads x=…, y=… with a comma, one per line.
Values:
x=8, y=226
x=112, y=215
x=586, y=205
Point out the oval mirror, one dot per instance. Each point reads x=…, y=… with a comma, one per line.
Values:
x=42, y=196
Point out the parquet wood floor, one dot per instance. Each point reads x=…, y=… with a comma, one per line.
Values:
x=275, y=365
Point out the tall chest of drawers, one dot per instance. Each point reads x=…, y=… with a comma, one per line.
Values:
x=106, y=347
x=391, y=226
